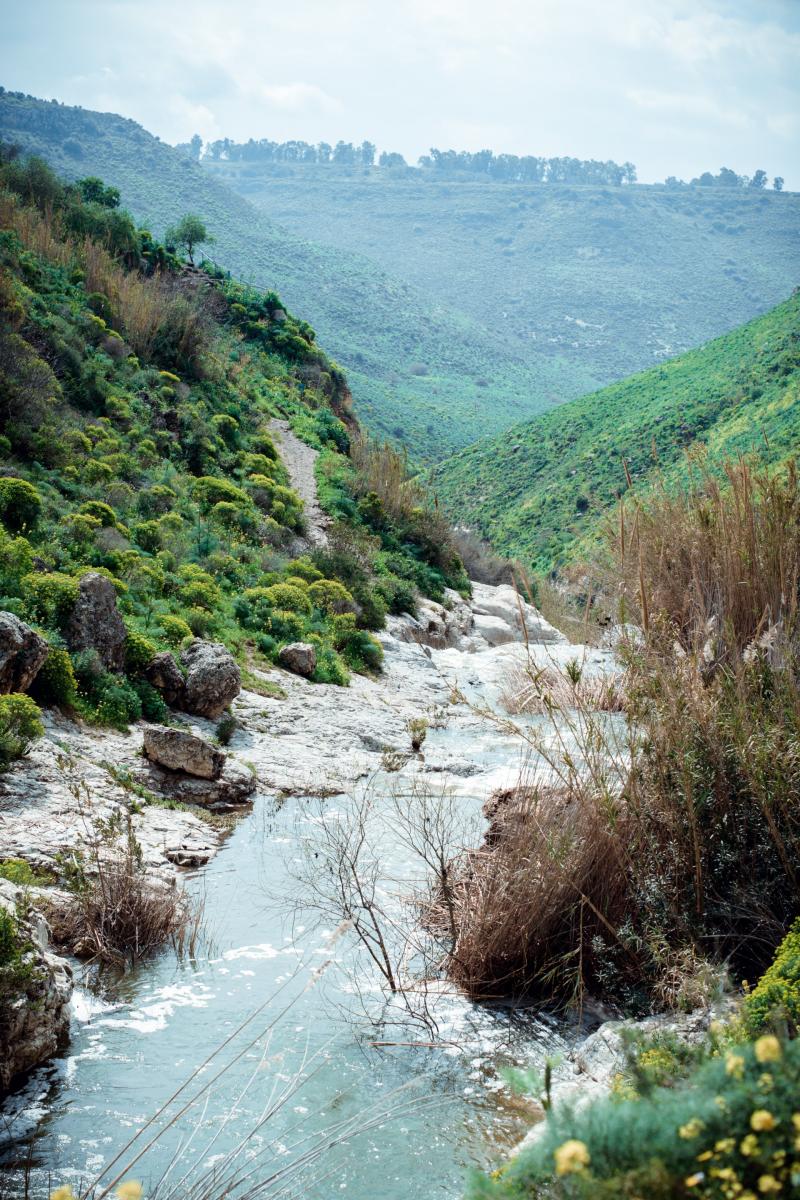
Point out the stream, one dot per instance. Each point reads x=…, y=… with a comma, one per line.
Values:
x=313, y=1105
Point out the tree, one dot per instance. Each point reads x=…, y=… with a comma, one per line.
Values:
x=777, y=183
x=195, y=147
x=94, y=191
x=188, y=234
x=759, y=180
x=367, y=154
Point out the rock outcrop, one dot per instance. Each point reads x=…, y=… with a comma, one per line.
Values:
x=34, y=1016
x=22, y=654
x=95, y=622
x=179, y=750
x=166, y=676
x=232, y=789
x=212, y=680
x=298, y=657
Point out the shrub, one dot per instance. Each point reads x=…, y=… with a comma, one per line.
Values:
x=330, y=668
x=175, y=629
x=139, y=651
x=201, y=593
x=330, y=597
x=303, y=568
x=55, y=682
x=226, y=728
x=288, y=598
x=359, y=649
x=730, y=1131
x=20, y=504
x=370, y=606
x=16, y=560
x=103, y=698
x=21, y=873
x=154, y=707
x=102, y=512
x=9, y=944
x=208, y=491
x=284, y=626
x=776, y=997
x=20, y=725
x=49, y=598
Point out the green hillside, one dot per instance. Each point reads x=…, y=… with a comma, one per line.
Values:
x=136, y=395
x=539, y=489
x=424, y=373
x=612, y=278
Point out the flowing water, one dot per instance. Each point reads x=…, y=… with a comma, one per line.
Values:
x=393, y=1121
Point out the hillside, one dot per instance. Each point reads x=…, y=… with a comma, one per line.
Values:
x=611, y=278
x=137, y=412
x=537, y=490
x=422, y=372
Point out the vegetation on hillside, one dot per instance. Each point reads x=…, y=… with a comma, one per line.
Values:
x=608, y=279
x=426, y=375
x=135, y=415
x=543, y=488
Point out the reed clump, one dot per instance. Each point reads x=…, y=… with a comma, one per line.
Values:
x=666, y=846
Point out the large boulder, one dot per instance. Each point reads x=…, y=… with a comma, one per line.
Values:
x=95, y=622
x=232, y=790
x=166, y=676
x=179, y=750
x=298, y=657
x=22, y=653
x=34, y=1014
x=213, y=679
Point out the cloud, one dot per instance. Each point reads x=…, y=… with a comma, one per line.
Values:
x=689, y=105
x=300, y=97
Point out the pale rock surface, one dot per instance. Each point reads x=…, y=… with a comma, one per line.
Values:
x=179, y=750
x=95, y=622
x=22, y=654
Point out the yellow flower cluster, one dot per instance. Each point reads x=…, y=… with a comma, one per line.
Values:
x=571, y=1156
x=131, y=1190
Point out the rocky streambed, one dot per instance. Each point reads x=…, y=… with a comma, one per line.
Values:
x=448, y=667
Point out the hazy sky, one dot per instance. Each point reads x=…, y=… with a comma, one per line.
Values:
x=676, y=87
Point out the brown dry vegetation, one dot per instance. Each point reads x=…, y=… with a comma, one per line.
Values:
x=671, y=839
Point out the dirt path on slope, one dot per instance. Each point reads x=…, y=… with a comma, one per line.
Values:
x=299, y=461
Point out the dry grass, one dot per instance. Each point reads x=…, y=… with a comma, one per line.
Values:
x=669, y=845
x=118, y=913
x=40, y=233
x=534, y=690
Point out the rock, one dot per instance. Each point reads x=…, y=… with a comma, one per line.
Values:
x=523, y=619
x=231, y=789
x=34, y=1021
x=213, y=679
x=95, y=622
x=494, y=630
x=179, y=750
x=298, y=657
x=165, y=675
x=22, y=653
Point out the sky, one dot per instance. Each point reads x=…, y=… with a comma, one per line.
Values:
x=675, y=87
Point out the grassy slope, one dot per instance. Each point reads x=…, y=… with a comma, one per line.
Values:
x=651, y=272
x=537, y=490
x=376, y=326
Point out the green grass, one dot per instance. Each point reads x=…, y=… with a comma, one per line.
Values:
x=376, y=325
x=542, y=488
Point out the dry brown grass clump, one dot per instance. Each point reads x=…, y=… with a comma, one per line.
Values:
x=532, y=690
x=118, y=913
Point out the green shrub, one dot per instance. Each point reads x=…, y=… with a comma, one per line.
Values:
x=175, y=629
x=20, y=504
x=359, y=649
x=21, y=873
x=208, y=491
x=303, y=568
x=139, y=651
x=154, y=707
x=370, y=605
x=147, y=534
x=16, y=560
x=201, y=593
x=288, y=598
x=777, y=993
x=730, y=1131
x=105, y=699
x=55, y=683
x=330, y=667
x=284, y=626
x=20, y=725
x=331, y=597
x=9, y=943
x=103, y=513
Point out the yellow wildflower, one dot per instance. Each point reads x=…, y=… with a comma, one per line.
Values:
x=767, y=1049
x=766, y=1082
x=705, y=1156
x=724, y=1173
x=762, y=1121
x=768, y=1183
x=63, y=1193
x=691, y=1129
x=130, y=1190
x=734, y=1065
x=796, y=1121
x=725, y=1145
x=570, y=1157
x=749, y=1145
x=693, y=1180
